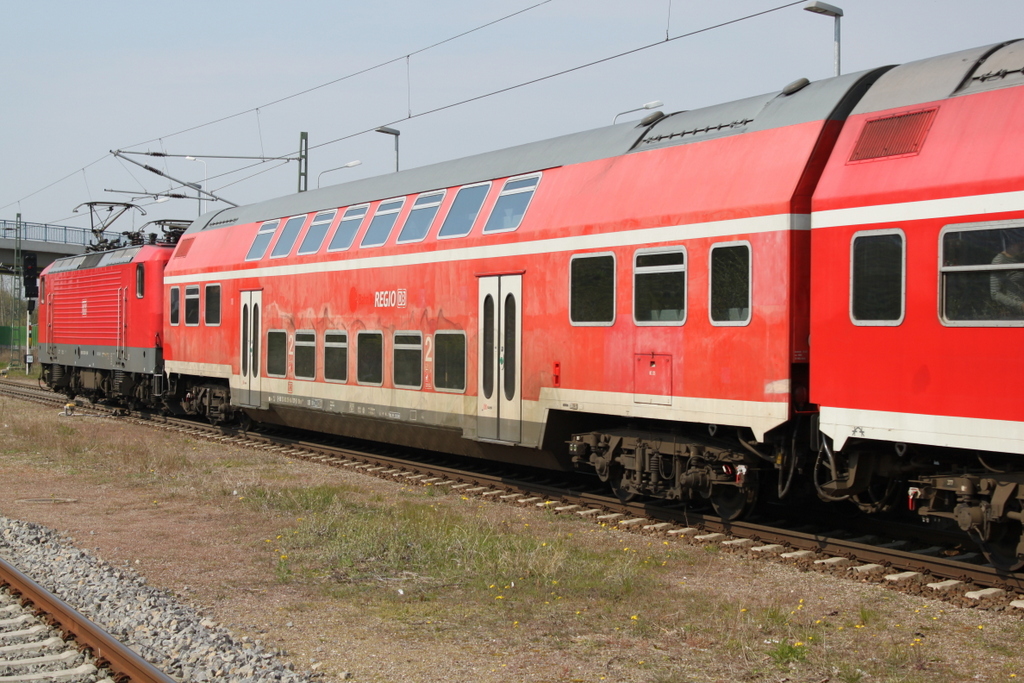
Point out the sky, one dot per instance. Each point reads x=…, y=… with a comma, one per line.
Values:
x=79, y=79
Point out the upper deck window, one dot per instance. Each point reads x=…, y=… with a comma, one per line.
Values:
x=347, y=228
x=983, y=274
x=464, y=210
x=511, y=206
x=289, y=234
x=424, y=209
x=314, y=238
x=877, y=277
x=383, y=221
x=192, y=305
x=262, y=240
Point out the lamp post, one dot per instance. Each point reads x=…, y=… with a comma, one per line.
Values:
x=650, y=105
x=206, y=178
x=396, y=133
x=819, y=7
x=348, y=165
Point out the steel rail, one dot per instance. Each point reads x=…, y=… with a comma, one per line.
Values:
x=107, y=649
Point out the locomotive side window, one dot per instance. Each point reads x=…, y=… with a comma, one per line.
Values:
x=450, y=361
x=262, y=241
x=464, y=210
x=383, y=221
x=729, y=292
x=424, y=209
x=140, y=280
x=175, y=314
x=212, y=316
x=370, y=358
x=336, y=356
x=659, y=287
x=982, y=274
x=289, y=233
x=877, y=277
x=408, y=360
x=305, y=354
x=277, y=353
x=592, y=290
x=347, y=228
x=192, y=305
x=317, y=232
x=512, y=203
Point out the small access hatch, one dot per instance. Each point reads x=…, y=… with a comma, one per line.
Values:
x=652, y=378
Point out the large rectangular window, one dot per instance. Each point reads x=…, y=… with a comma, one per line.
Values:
x=347, y=228
x=659, y=287
x=464, y=210
x=408, y=363
x=983, y=274
x=877, y=277
x=417, y=225
x=511, y=205
x=336, y=356
x=592, y=290
x=383, y=221
x=262, y=241
x=175, y=312
x=729, y=293
x=317, y=232
x=289, y=233
x=192, y=305
x=450, y=361
x=305, y=354
x=370, y=358
x=212, y=304
x=277, y=353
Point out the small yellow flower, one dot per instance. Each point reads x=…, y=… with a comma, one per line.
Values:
x=284, y=557
x=635, y=617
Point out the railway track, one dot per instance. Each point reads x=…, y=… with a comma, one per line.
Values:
x=911, y=558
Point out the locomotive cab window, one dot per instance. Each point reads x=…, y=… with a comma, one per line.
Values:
x=192, y=305
x=140, y=280
x=729, y=293
x=347, y=228
x=659, y=287
x=408, y=360
x=982, y=272
x=511, y=205
x=317, y=232
x=212, y=317
x=464, y=210
x=592, y=289
x=424, y=209
x=175, y=306
x=335, y=356
x=277, y=353
x=877, y=277
x=305, y=354
x=289, y=233
x=450, y=361
x=383, y=221
x=262, y=240
x=370, y=358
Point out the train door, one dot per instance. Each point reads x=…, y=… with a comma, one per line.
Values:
x=52, y=345
x=499, y=400
x=121, y=334
x=249, y=347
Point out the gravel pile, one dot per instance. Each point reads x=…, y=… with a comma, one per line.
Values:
x=171, y=635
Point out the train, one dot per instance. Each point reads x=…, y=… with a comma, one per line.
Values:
x=812, y=294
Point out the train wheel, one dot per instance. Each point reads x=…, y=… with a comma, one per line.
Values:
x=734, y=502
x=1005, y=544
x=621, y=484
x=881, y=495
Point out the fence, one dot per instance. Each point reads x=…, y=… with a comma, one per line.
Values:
x=43, y=232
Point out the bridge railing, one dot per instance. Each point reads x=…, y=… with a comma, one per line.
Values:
x=44, y=232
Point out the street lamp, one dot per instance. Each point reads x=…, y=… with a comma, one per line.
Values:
x=650, y=105
x=396, y=133
x=206, y=178
x=819, y=7
x=348, y=165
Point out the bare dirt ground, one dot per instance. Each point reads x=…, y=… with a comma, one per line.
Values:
x=181, y=512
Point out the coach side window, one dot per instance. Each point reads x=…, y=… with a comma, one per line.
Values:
x=262, y=241
x=464, y=210
x=511, y=205
x=335, y=356
x=347, y=228
x=877, y=277
x=592, y=289
x=175, y=305
x=424, y=209
x=370, y=358
x=383, y=221
x=212, y=316
x=305, y=354
x=277, y=353
x=140, y=280
x=289, y=233
x=450, y=361
x=983, y=274
x=408, y=360
x=659, y=287
x=317, y=232
x=729, y=293
x=192, y=305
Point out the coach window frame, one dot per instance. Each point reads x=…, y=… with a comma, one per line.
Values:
x=505, y=192
x=192, y=295
x=944, y=270
x=267, y=228
x=429, y=204
x=750, y=283
x=385, y=213
x=307, y=357
x=614, y=289
x=287, y=236
x=662, y=269
x=140, y=281
x=359, y=357
x=272, y=348
x=476, y=216
x=433, y=355
x=880, y=322
x=408, y=348
x=334, y=344
x=206, y=304
x=174, y=306
x=358, y=220
x=319, y=218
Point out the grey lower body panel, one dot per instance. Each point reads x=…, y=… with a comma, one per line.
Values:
x=127, y=359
